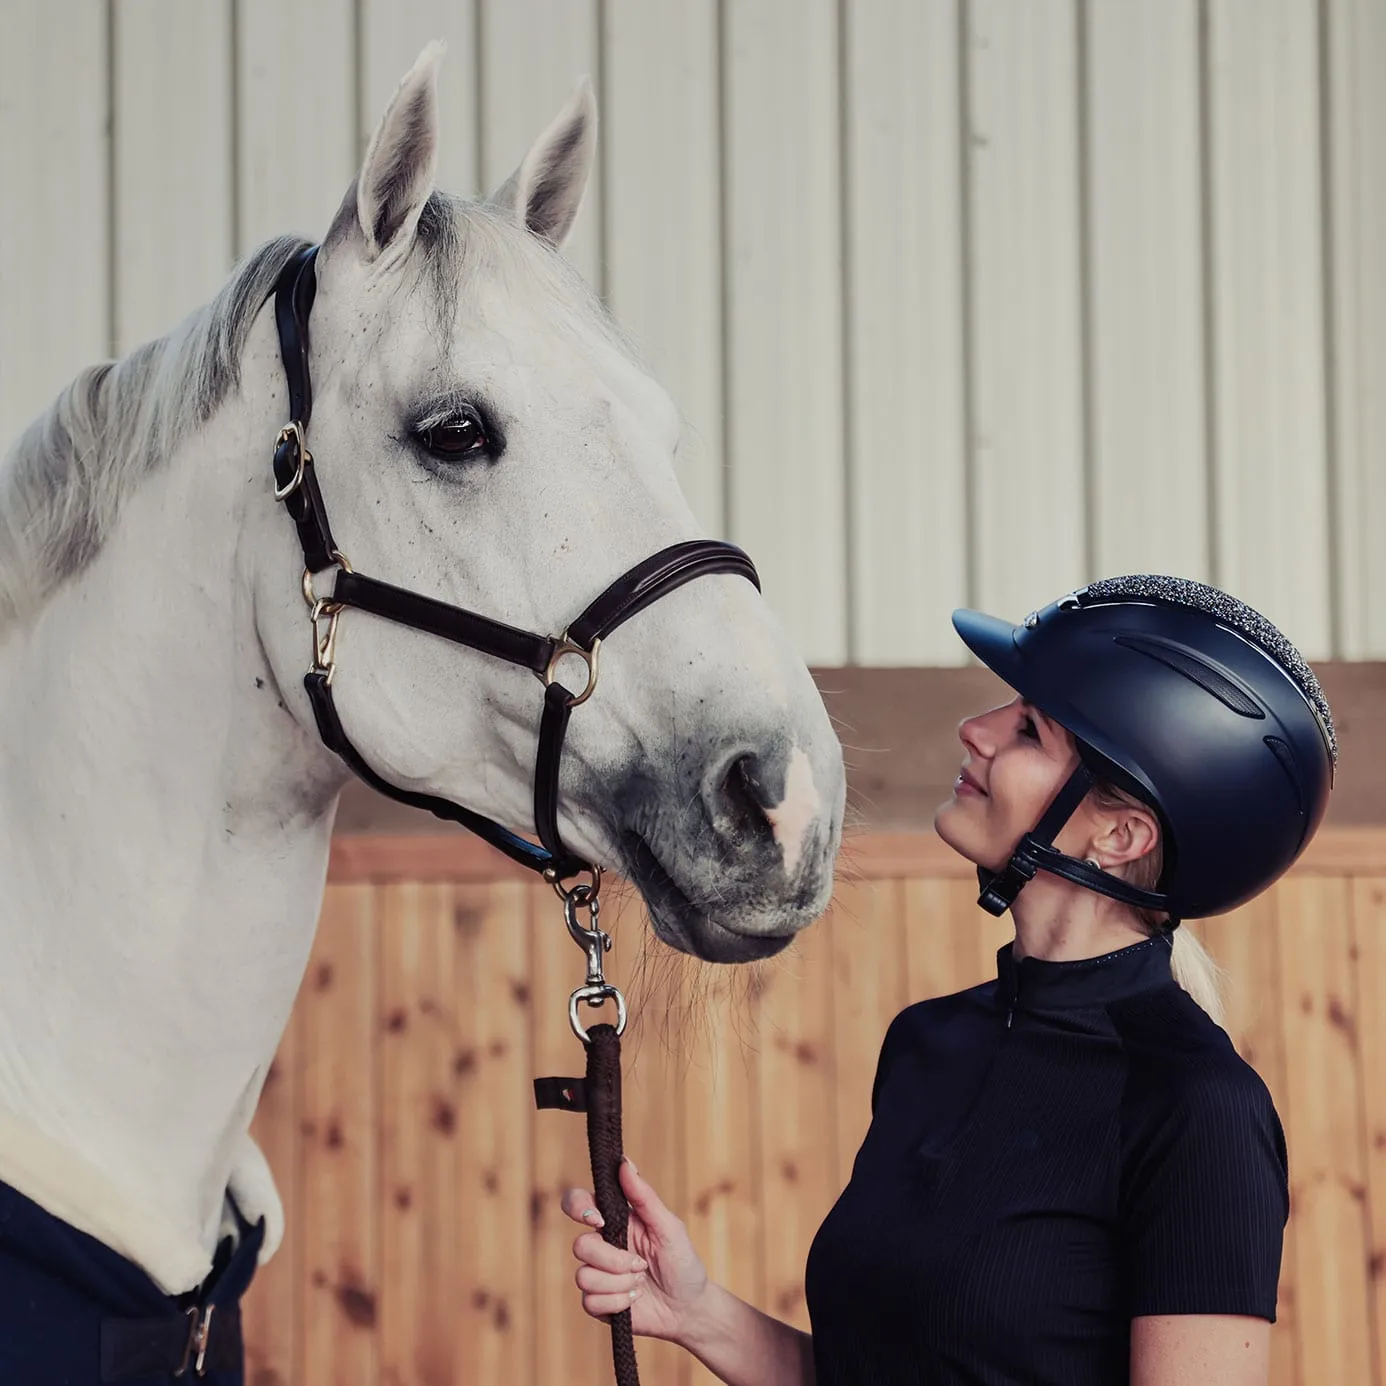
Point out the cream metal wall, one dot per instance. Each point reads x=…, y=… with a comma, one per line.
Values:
x=965, y=300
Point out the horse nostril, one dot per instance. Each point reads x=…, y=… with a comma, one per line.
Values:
x=739, y=797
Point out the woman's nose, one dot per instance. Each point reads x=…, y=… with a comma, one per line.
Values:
x=975, y=735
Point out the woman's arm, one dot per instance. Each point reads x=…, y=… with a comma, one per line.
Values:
x=1195, y=1349
x=744, y=1347
x=661, y=1280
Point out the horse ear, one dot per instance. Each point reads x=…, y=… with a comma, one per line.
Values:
x=397, y=173
x=545, y=192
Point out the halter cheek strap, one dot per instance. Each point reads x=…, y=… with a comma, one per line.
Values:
x=1036, y=852
x=296, y=485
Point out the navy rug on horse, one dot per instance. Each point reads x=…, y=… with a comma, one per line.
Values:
x=75, y=1313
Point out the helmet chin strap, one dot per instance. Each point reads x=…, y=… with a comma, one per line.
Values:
x=1036, y=852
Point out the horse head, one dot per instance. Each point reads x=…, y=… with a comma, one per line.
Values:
x=485, y=436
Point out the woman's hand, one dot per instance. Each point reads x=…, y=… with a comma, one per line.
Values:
x=660, y=1279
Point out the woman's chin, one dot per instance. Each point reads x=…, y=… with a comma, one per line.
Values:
x=947, y=826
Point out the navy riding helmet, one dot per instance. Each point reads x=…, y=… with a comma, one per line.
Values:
x=1192, y=702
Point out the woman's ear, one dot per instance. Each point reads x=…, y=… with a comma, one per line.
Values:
x=1125, y=835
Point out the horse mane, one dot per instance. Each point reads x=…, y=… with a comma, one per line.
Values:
x=63, y=482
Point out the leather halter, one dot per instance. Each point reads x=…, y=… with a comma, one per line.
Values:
x=296, y=484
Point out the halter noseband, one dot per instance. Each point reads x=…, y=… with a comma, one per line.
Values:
x=296, y=485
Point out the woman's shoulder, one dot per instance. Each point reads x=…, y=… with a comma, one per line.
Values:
x=1186, y=1078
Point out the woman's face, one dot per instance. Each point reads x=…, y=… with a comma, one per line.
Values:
x=1016, y=761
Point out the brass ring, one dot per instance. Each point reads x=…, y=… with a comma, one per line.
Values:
x=591, y=887
x=563, y=647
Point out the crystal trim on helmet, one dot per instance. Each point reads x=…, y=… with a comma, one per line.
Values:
x=1231, y=612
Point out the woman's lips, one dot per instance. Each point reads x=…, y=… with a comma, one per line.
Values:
x=965, y=784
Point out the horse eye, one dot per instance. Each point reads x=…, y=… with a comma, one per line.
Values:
x=455, y=438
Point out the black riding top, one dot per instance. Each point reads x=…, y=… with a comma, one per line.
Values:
x=1051, y=1155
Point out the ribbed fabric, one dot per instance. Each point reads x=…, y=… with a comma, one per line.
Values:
x=1050, y=1155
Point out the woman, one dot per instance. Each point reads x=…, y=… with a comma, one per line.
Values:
x=1070, y=1175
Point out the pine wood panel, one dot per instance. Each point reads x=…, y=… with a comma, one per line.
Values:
x=1246, y=945
x=428, y=1007
x=1324, y=1114
x=1368, y=953
x=273, y=1315
x=795, y=1112
x=337, y=1216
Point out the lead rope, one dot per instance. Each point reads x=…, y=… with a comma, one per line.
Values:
x=598, y=1094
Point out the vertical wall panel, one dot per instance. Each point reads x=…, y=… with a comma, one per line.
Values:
x=54, y=287
x=1323, y=1109
x=1267, y=313
x=393, y=33
x=1027, y=430
x=798, y=1181
x=170, y=57
x=784, y=331
x=904, y=275
x=1356, y=109
x=1369, y=956
x=1145, y=289
x=297, y=121
x=720, y=1096
x=663, y=206
x=533, y=54
x=273, y=1323
x=571, y=1346
x=336, y=1026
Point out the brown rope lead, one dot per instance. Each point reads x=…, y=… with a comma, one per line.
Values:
x=603, y=1092
x=599, y=1095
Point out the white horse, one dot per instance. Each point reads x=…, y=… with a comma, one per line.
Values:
x=482, y=434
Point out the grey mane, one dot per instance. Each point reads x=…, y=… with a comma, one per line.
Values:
x=63, y=483
x=64, y=480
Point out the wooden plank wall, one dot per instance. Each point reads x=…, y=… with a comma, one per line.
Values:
x=965, y=301
x=425, y=1244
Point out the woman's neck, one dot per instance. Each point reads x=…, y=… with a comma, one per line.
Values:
x=1061, y=922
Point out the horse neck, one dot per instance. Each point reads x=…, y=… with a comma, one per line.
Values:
x=164, y=828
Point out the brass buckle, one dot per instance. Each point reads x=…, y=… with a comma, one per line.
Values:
x=293, y=430
x=199, y=1334
x=562, y=648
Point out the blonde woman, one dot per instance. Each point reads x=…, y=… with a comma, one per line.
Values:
x=1070, y=1176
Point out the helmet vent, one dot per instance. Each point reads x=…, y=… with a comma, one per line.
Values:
x=1287, y=763
x=1196, y=670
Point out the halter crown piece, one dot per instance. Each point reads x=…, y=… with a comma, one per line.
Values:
x=296, y=485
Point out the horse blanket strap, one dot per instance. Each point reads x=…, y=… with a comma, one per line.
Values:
x=73, y=1312
x=296, y=485
x=599, y=1095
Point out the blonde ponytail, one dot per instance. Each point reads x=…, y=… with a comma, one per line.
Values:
x=1192, y=965
x=1195, y=971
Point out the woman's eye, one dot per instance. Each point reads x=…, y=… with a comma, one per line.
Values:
x=1028, y=728
x=454, y=439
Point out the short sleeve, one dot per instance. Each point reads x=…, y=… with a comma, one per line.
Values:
x=1205, y=1198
